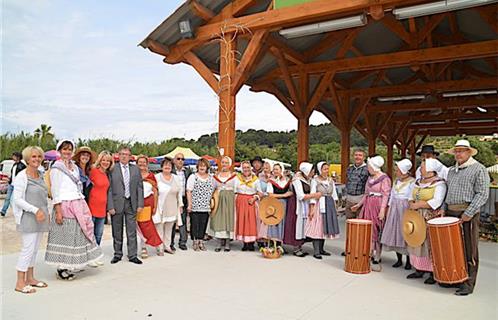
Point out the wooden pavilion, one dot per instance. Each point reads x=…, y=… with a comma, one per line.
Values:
x=394, y=70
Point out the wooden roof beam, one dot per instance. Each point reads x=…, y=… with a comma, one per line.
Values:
x=473, y=50
x=428, y=88
x=442, y=104
x=201, y=11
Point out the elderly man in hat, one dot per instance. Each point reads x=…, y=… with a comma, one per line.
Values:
x=428, y=152
x=468, y=183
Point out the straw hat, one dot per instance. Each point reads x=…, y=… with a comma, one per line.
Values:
x=463, y=144
x=271, y=211
x=215, y=200
x=80, y=150
x=414, y=228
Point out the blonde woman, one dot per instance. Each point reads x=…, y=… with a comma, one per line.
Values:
x=97, y=201
x=31, y=214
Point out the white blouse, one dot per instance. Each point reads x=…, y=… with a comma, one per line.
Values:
x=62, y=187
x=224, y=184
x=439, y=194
x=147, y=189
x=401, y=190
x=242, y=188
x=280, y=182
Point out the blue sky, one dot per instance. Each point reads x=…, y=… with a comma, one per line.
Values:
x=75, y=65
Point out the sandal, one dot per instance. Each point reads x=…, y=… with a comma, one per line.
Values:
x=299, y=253
x=144, y=254
x=201, y=246
x=64, y=274
x=217, y=249
x=159, y=252
x=27, y=289
x=39, y=284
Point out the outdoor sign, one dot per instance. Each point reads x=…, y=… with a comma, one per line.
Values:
x=278, y=4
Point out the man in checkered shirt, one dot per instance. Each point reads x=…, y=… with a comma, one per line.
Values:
x=468, y=183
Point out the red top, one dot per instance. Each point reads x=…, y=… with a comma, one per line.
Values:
x=98, y=195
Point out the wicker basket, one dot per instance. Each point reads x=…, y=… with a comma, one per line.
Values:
x=272, y=252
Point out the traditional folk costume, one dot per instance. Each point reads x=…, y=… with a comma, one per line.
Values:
x=222, y=221
x=202, y=191
x=374, y=200
x=146, y=229
x=324, y=224
x=71, y=245
x=302, y=187
x=279, y=186
x=246, y=229
x=392, y=234
x=468, y=185
x=433, y=193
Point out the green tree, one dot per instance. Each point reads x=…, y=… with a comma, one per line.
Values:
x=45, y=137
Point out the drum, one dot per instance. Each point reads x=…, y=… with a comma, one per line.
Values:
x=448, y=258
x=358, y=243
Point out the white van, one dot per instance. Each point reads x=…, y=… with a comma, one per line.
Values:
x=6, y=167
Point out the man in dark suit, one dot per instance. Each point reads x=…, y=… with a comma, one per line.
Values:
x=127, y=195
x=183, y=173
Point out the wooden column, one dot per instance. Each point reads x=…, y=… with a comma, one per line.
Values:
x=345, y=154
x=226, y=138
x=371, y=144
x=390, y=159
x=412, y=157
x=302, y=139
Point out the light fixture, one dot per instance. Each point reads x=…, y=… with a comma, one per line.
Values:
x=400, y=98
x=421, y=123
x=481, y=109
x=186, y=29
x=468, y=93
x=476, y=120
x=437, y=7
x=326, y=26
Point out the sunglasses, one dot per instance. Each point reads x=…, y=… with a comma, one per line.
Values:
x=180, y=159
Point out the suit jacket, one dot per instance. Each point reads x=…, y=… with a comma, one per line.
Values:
x=116, y=190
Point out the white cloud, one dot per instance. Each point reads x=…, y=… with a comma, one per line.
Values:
x=67, y=65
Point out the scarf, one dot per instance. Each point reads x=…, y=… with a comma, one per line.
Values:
x=466, y=164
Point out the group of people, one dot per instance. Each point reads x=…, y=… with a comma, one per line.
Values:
x=459, y=191
x=85, y=188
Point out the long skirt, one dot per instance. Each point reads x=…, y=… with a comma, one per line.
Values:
x=290, y=224
x=147, y=228
x=330, y=221
x=246, y=229
x=222, y=222
x=392, y=235
x=68, y=247
x=420, y=257
x=276, y=232
x=370, y=211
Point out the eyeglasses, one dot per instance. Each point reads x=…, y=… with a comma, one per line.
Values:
x=180, y=159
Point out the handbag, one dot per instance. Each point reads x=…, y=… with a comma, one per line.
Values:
x=144, y=215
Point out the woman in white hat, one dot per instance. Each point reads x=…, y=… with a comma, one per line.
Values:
x=322, y=221
x=427, y=197
x=374, y=202
x=302, y=189
x=392, y=235
x=71, y=240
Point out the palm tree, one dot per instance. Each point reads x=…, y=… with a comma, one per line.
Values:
x=44, y=135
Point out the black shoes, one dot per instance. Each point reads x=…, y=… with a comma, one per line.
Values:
x=464, y=290
x=408, y=266
x=183, y=247
x=115, y=260
x=398, y=264
x=415, y=275
x=317, y=256
x=325, y=253
x=343, y=254
x=430, y=280
x=135, y=260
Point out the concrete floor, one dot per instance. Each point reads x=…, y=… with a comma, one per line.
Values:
x=241, y=285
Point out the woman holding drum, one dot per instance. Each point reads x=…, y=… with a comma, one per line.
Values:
x=427, y=197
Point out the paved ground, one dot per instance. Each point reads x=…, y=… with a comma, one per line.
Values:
x=240, y=285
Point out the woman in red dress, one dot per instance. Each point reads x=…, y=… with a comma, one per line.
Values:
x=146, y=229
